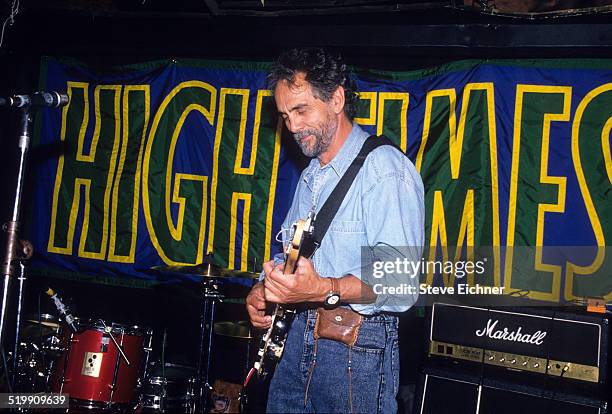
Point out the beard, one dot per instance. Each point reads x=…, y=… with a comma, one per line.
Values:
x=322, y=138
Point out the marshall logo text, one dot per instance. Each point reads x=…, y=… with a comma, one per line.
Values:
x=536, y=338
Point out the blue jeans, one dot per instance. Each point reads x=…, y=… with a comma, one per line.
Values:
x=327, y=382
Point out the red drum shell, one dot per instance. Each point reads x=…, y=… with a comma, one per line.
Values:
x=86, y=369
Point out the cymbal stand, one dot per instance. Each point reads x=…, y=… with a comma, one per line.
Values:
x=211, y=296
x=244, y=395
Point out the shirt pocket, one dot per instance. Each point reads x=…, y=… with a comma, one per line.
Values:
x=347, y=226
x=342, y=247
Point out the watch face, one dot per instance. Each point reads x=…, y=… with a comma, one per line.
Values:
x=332, y=299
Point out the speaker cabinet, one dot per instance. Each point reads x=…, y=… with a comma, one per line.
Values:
x=448, y=392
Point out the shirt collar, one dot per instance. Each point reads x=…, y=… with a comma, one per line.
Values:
x=343, y=158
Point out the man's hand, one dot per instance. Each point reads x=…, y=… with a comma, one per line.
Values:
x=305, y=285
x=256, y=307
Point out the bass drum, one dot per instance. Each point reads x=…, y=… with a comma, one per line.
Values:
x=92, y=370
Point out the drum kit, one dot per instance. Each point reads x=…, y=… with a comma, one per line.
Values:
x=103, y=366
x=109, y=367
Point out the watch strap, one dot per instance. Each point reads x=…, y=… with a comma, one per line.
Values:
x=335, y=286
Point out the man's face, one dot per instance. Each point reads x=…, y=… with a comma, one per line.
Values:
x=312, y=121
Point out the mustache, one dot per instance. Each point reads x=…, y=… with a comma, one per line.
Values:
x=305, y=133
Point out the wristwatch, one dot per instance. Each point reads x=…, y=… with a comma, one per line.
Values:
x=333, y=297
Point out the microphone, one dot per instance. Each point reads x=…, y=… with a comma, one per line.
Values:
x=61, y=308
x=51, y=99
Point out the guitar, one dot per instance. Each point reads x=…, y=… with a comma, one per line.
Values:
x=272, y=343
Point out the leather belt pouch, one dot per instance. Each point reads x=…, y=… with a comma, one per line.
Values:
x=339, y=324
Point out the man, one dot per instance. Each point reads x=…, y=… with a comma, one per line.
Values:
x=383, y=207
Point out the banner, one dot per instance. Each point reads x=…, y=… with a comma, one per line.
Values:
x=163, y=162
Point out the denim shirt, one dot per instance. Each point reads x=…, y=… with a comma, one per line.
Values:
x=384, y=206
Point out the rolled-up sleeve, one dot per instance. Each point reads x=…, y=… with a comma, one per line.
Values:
x=394, y=222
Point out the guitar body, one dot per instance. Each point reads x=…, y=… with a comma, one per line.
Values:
x=272, y=343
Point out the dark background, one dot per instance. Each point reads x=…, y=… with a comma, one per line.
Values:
x=380, y=35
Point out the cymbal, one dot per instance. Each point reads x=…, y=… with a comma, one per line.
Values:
x=32, y=329
x=47, y=320
x=206, y=270
x=240, y=329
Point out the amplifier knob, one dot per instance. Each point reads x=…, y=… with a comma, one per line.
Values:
x=491, y=357
x=525, y=363
x=536, y=365
x=513, y=361
x=502, y=359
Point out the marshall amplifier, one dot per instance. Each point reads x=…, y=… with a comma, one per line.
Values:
x=447, y=392
x=551, y=343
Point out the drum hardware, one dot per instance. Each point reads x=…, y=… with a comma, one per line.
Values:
x=211, y=276
x=40, y=344
x=33, y=369
x=108, y=333
x=44, y=335
x=37, y=345
x=207, y=292
x=147, y=350
x=169, y=388
x=107, y=330
x=211, y=296
x=62, y=309
x=239, y=331
x=243, y=396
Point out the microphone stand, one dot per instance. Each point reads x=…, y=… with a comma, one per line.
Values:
x=22, y=279
x=15, y=249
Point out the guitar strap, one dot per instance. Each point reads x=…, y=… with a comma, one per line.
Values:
x=333, y=202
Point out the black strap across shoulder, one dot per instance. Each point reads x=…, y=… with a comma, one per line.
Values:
x=332, y=204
